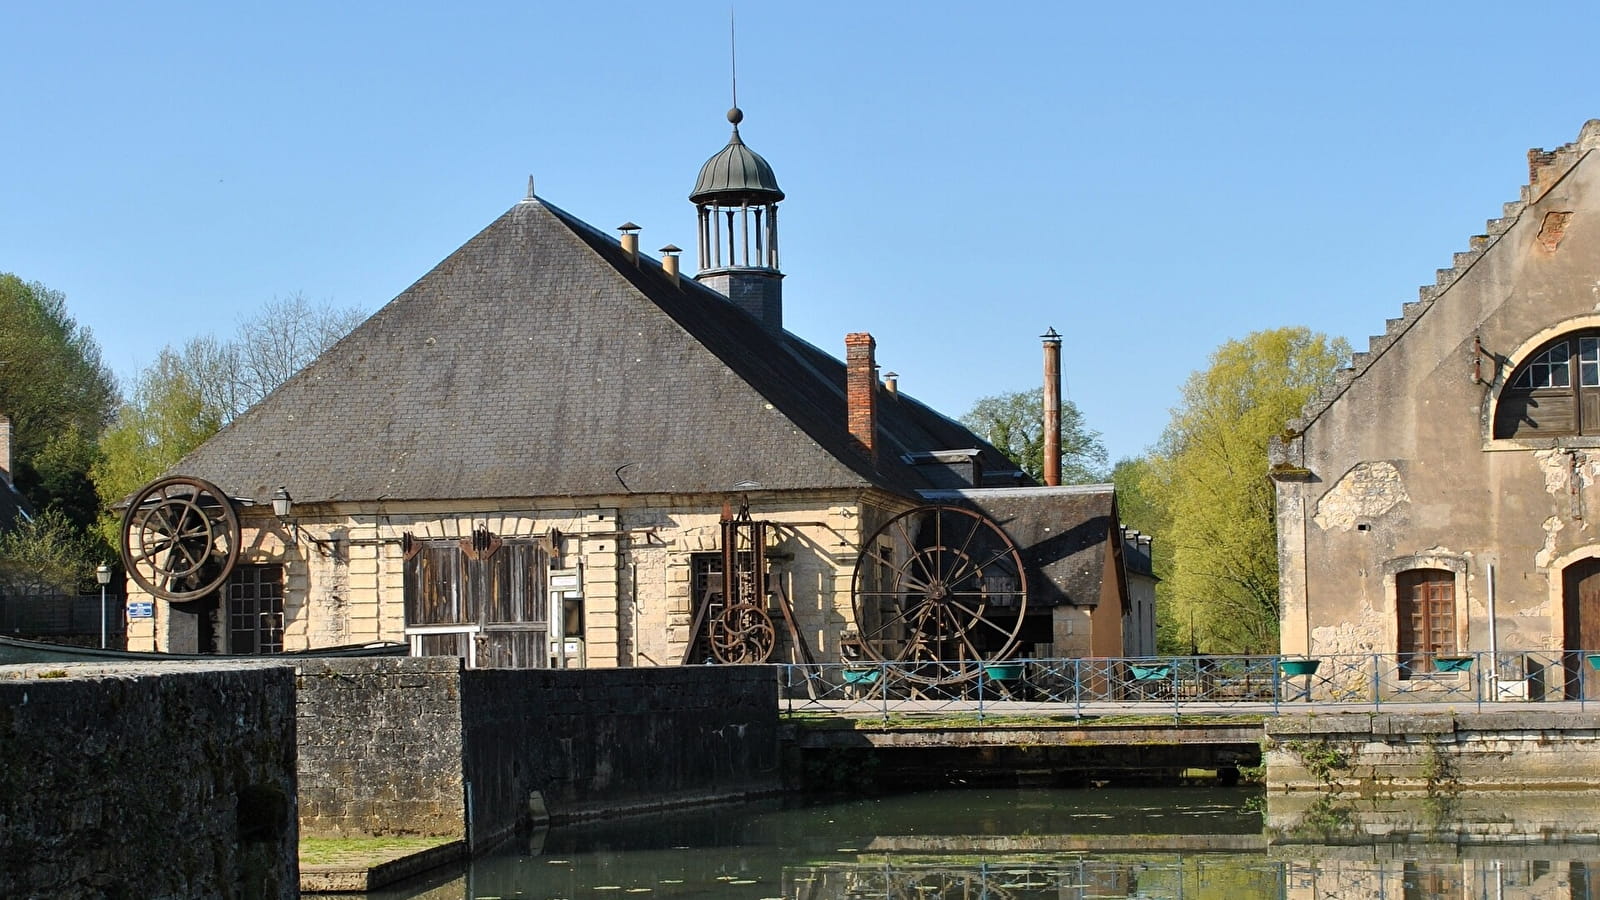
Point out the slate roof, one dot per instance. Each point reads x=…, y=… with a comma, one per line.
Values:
x=1063, y=534
x=536, y=361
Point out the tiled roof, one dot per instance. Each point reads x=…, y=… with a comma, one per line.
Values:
x=1063, y=534
x=538, y=361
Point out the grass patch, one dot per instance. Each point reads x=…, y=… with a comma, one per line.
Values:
x=362, y=852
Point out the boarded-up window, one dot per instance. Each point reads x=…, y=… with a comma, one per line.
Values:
x=255, y=609
x=500, y=597
x=1555, y=391
x=1426, y=604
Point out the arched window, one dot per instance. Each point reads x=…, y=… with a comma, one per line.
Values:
x=1555, y=391
x=1425, y=601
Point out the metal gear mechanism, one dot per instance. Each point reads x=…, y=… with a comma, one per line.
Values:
x=180, y=538
x=743, y=633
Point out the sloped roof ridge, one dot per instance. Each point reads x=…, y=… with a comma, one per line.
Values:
x=707, y=325
x=1062, y=490
x=1546, y=170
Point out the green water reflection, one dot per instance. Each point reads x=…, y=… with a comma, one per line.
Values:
x=1010, y=845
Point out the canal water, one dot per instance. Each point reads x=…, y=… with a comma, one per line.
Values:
x=1192, y=842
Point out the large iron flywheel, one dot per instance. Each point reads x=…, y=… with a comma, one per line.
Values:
x=180, y=538
x=940, y=589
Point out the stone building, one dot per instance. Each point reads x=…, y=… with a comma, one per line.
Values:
x=550, y=447
x=1440, y=498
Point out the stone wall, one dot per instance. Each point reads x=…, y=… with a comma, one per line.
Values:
x=418, y=746
x=138, y=781
x=380, y=746
x=603, y=742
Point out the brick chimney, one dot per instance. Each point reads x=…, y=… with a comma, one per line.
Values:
x=1052, y=407
x=861, y=392
x=5, y=447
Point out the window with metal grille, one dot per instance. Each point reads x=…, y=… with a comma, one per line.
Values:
x=1426, y=604
x=1555, y=391
x=255, y=609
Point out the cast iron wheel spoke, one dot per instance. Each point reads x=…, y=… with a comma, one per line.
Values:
x=910, y=545
x=1002, y=554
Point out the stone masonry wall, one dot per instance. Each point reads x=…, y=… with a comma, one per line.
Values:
x=139, y=781
x=601, y=742
x=380, y=746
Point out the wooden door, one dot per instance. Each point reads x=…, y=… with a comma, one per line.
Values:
x=1581, y=615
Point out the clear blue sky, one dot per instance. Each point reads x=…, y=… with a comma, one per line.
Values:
x=1150, y=179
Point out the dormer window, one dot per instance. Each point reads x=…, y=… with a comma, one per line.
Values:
x=1555, y=391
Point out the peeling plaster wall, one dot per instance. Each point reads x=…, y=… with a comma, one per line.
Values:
x=1367, y=491
x=1402, y=461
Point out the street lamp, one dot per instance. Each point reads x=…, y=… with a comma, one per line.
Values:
x=103, y=575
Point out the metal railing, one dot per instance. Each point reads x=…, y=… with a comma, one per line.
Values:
x=1190, y=685
x=60, y=615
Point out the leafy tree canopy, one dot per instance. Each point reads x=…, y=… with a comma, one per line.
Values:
x=188, y=394
x=46, y=556
x=57, y=394
x=1014, y=423
x=1206, y=492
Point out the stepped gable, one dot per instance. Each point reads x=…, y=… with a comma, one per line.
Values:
x=538, y=360
x=1545, y=169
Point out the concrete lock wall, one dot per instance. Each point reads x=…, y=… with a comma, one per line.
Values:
x=602, y=742
x=138, y=781
x=380, y=747
x=1432, y=754
x=418, y=746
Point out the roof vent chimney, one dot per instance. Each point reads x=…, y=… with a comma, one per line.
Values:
x=891, y=383
x=861, y=392
x=669, y=262
x=1052, y=407
x=630, y=241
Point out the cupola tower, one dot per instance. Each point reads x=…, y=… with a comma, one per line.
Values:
x=737, y=198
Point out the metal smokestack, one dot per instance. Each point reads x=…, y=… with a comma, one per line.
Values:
x=1052, y=407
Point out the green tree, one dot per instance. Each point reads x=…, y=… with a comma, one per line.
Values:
x=168, y=414
x=57, y=394
x=45, y=556
x=1219, y=589
x=279, y=341
x=188, y=394
x=1014, y=423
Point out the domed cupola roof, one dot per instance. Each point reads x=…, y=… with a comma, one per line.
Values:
x=736, y=174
